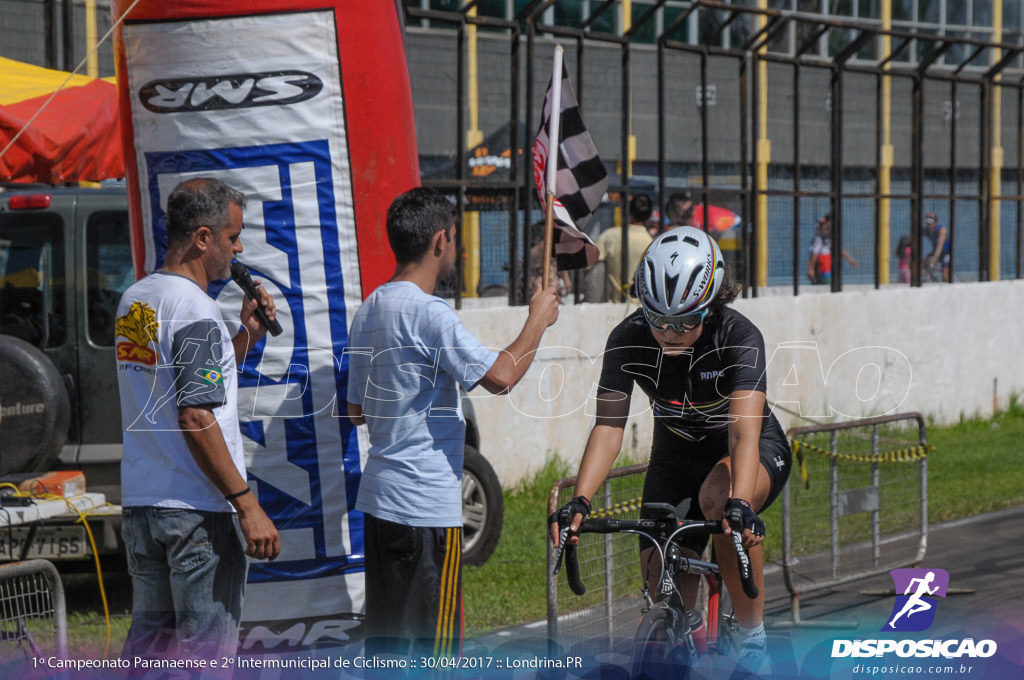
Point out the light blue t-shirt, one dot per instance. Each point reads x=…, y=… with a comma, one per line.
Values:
x=409, y=354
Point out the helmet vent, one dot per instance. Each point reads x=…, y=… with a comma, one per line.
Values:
x=692, y=241
x=671, y=282
x=652, y=282
x=693, y=277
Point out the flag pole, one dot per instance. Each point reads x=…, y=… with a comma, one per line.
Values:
x=552, y=164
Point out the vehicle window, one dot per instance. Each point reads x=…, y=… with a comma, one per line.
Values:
x=109, y=271
x=32, y=294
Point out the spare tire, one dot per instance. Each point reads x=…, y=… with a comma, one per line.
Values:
x=34, y=408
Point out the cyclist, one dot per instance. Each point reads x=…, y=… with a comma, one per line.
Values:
x=702, y=365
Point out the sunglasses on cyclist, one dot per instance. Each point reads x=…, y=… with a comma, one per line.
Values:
x=680, y=324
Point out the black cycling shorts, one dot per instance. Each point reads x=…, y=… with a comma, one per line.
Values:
x=679, y=467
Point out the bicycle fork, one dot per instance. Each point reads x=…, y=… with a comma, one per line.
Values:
x=684, y=650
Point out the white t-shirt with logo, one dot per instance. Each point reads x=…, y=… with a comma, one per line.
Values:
x=173, y=350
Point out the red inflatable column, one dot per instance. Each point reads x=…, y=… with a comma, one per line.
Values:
x=307, y=110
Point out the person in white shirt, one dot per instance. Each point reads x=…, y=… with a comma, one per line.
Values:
x=189, y=518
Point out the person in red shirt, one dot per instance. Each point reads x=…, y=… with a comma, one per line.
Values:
x=819, y=264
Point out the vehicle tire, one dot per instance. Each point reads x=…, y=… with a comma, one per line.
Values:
x=35, y=408
x=655, y=640
x=483, y=508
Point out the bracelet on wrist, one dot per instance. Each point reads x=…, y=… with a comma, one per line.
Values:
x=233, y=496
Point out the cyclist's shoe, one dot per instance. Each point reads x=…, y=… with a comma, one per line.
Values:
x=753, y=660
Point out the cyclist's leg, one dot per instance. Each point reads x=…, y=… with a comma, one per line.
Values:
x=713, y=496
x=776, y=460
x=775, y=463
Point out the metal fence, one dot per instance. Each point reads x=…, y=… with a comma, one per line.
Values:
x=779, y=115
x=748, y=113
x=856, y=504
x=609, y=567
x=33, y=619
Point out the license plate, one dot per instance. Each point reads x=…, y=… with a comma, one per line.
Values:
x=52, y=543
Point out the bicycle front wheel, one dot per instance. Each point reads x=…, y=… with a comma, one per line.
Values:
x=655, y=650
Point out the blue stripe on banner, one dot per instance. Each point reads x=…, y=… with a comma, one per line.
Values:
x=269, y=572
x=314, y=509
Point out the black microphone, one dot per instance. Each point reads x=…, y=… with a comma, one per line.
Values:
x=240, y=275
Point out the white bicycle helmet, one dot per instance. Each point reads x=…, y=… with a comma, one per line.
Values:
x=680, y=273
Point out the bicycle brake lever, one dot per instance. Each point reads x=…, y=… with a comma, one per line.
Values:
x=746, y=573
x=563, y=536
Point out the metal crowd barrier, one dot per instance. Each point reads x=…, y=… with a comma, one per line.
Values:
x=33, y=618
x=609, y=566
x=856, y=504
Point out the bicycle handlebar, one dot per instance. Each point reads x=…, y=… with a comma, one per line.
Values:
x=644, y=527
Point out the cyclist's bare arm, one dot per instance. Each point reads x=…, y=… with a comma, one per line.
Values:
x=602, y=449
x=746, y=409
x=604, y=443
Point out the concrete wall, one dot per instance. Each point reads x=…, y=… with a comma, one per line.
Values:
x=943, y=350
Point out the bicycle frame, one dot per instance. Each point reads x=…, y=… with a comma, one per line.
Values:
x=674, y=564
x=669, y=613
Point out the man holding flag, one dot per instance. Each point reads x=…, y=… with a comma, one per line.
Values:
x=409, y=358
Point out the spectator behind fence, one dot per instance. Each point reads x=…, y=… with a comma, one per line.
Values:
x=819, y=264
x=679, y=210
x=903, y=254
x=610, y=245
x=936, y=264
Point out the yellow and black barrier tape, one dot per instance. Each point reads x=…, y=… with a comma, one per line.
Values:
x=909, y=454
x=621, y=508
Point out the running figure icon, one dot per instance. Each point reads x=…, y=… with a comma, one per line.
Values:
x=915, y=604
x=920, y=587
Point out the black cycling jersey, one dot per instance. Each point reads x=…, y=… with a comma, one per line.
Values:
x=689, y=393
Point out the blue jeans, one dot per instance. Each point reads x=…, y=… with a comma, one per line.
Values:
x=188, y=573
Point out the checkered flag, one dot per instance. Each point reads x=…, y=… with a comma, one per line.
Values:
x=581, y=180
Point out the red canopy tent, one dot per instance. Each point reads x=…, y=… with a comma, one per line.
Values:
x=75, y=137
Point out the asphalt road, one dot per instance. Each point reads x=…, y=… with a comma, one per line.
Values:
x=982, y=556
x=985, y=601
